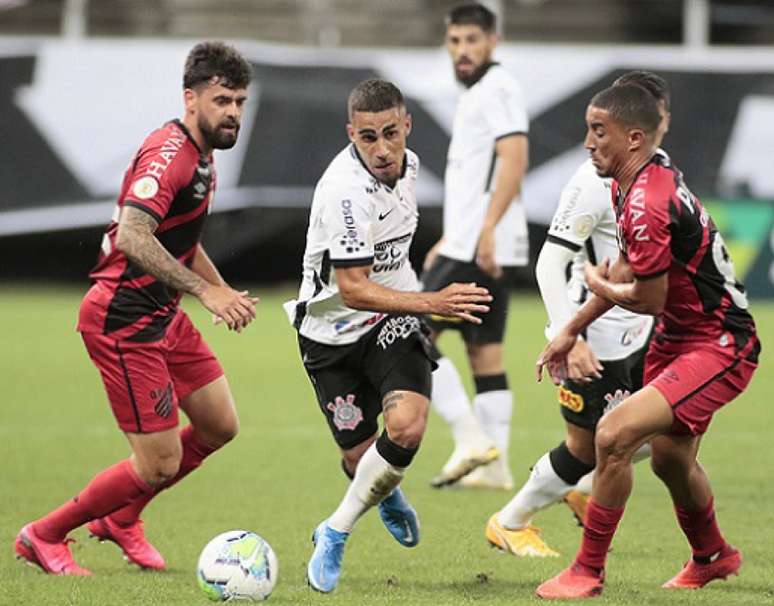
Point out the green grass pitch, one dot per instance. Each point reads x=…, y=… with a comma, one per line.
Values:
x=281, y=476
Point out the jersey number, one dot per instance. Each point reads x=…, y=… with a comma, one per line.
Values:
x=725, y=266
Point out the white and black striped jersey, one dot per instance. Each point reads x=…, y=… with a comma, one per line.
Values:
x=355, y=220
x=585, y=223
x=491, y=109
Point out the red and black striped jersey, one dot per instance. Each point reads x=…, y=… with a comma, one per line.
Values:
x=172, y=180
x=663, y=227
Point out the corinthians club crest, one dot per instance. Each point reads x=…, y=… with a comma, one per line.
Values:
x=345, y=414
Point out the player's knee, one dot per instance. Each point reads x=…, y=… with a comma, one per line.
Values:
x=225, y=432
x=408, y=430
x=162, y=469
x=220, y=432
x=611, y=443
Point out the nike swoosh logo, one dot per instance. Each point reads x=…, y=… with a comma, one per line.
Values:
x=383, y=216
x=409, y=535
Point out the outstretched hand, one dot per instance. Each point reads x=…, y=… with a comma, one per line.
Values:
x=567, y=357
x=462, y=301
x=582, y=363
x=235, y=308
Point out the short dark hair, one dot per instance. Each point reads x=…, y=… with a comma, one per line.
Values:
x=473, y=14
x=210, y=59
x=653, y=83
x=374, y=95
x=631, y=105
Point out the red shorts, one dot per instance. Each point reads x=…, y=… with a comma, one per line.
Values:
x=146, y=381
x=697, y=379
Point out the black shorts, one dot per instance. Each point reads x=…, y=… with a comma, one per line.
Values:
x=583, y=404
x=443, y=272
x=350, y=381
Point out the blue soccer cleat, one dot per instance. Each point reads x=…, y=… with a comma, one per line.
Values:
x=325, y=565
x=400, y=518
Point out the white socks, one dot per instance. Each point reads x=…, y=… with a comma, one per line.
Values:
x=493, y=411
x=451, y=402
x=543, y=488
x=374, y=479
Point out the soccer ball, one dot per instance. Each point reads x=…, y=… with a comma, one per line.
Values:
x=237, y=565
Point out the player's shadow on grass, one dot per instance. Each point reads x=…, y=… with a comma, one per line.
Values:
x=478, y=585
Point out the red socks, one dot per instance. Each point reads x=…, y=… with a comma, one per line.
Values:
x=194, y=452
x=701, y=528
x=109, y=490
x=600, y=526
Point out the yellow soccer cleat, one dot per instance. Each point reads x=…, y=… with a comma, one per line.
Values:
x=577, y=502
x=524, y=542
x=461, y=463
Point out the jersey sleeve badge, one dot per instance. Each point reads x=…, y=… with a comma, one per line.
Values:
x=582, y=226
x=145, y=187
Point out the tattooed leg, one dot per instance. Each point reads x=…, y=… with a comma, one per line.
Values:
x=405, y=417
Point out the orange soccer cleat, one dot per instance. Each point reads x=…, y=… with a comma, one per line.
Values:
x=54, y=558
x=577, y=581
x=131, y=539
x=726, y=562
x=577, y=502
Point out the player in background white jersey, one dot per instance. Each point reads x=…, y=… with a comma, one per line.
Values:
x=583, y=229
x=484, y=231
x=361, y=340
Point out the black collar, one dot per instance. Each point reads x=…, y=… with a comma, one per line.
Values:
x=356, y=154
x=188, y=134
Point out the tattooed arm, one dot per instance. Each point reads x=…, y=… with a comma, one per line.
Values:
x=136, y=239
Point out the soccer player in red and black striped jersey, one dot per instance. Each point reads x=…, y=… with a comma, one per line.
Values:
x=674, y=265
x=151, y=358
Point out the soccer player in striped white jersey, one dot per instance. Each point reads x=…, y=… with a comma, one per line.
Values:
x=358, y=315
x=583, y=229
x=484, y=234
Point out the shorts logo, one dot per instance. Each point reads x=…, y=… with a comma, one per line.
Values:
x=401, y=327
x=570, y=400
x=345, y=414
x=163, y=407
x=670, y=375
x=614, y=399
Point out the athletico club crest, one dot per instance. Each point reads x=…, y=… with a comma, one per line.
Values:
x=345, y=414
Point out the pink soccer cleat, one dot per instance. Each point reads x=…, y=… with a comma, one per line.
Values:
x=131, y=539
x=53, y=558
x=577, y=581
x=727, y=561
